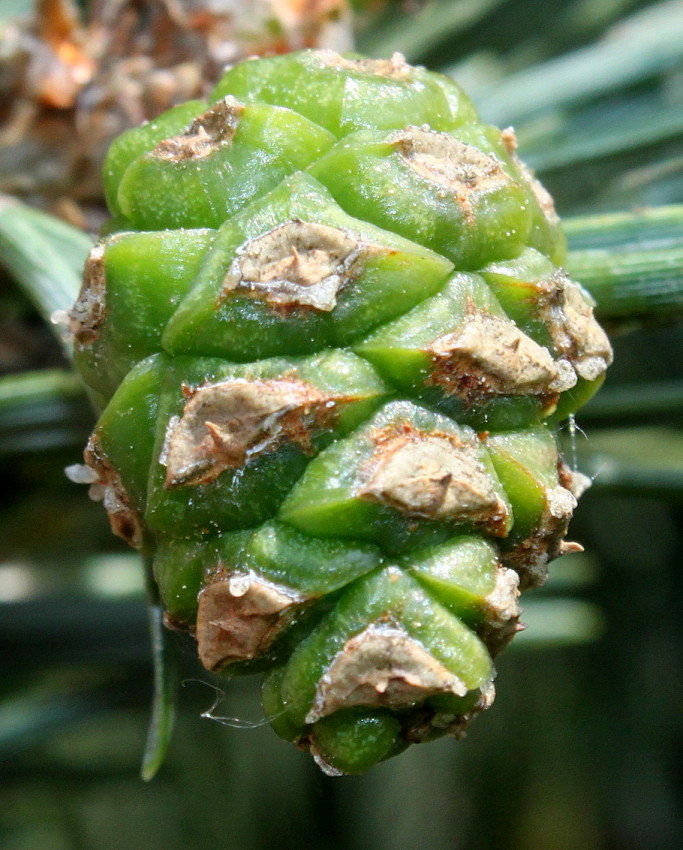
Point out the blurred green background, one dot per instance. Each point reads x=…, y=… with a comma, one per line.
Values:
x=584, y=746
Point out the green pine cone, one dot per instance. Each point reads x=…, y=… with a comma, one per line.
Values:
x=333, y=337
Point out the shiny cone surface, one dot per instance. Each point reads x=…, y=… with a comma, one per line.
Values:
x=332, y=338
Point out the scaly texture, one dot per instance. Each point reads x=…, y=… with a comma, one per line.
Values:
x=333, y=336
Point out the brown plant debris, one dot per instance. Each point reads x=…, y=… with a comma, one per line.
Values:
x=71, y=82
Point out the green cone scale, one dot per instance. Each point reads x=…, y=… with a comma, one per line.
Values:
x=333, y=338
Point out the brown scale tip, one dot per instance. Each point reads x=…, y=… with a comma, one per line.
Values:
x=297, y=264
x=424, y=723
x=530, y=557
x=395, y=68
x=450, y=164
x=488, y=356
x=542, y=195
x=576, y=332
x=211, y=130
x=239, y=616
x=502, y=612
x=581, y=346
x=509, y=139
x=381, y=666
x=123, y=518
x=223, y=425
x=88, y=313
x=433, y=476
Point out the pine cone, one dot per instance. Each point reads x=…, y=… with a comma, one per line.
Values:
x=334, y=337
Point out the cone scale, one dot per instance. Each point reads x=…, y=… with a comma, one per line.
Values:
x=332, y=336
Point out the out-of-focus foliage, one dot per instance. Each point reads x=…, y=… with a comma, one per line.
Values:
x=585, y=744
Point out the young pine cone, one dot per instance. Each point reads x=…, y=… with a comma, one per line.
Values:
x=333, y=338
